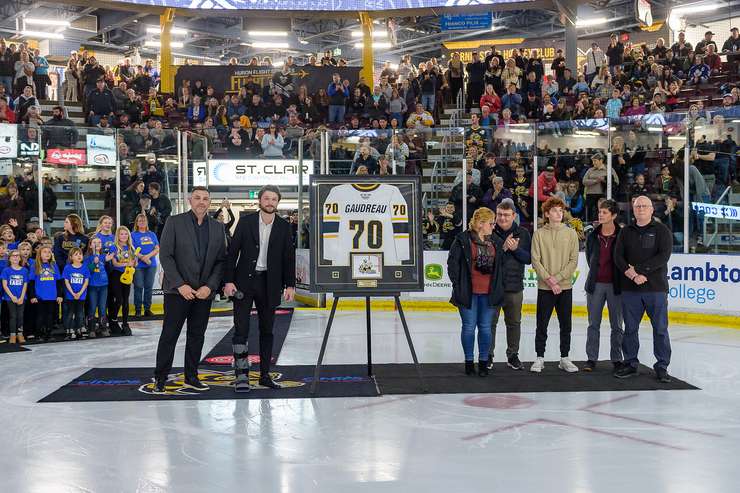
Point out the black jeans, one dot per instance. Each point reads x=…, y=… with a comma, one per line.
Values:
x=15, y=317
x=46, y=316
x=257, y=294
x=120, y=296
x=563, y=305
x=176, y=311
x=74, y=314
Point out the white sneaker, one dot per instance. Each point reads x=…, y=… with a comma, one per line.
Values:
x=567, y=365
x=538, y=365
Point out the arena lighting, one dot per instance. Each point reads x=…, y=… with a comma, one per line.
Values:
x=656, y=129
x=178, y=31
x=303, y=41
x=278, y=64
x=268, y=34
x=596, y=21
x=376, y=34
x=46, y=22
x=157, y=44
x=520, y=131
x=42, y=35
x=267, y=44
x=376, y=46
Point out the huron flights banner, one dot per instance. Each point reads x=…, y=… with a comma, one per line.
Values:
x=229, y=79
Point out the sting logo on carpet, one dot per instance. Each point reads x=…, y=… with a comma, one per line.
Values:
x=214, y=378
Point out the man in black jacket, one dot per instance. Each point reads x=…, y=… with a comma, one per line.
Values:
x=193, y=253
x=59, y=131
x=100, y=102
x=261, y=264
x=642, y=253
x=476, y=71
x=513, y=245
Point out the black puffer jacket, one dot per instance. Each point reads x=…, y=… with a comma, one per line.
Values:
x=459, y=263
x=513, y=262
x=593, y=253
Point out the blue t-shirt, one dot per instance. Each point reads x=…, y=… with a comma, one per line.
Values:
x=106, y=240
x=146, y=242
x=13, y=246
x=76, y=277
x=45, y=282
x=31, y=263
x=122, y=256
x=16, y=279
x=3, y=264
x=98, y=275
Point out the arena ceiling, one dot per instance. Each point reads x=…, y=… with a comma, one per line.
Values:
x=217, y=33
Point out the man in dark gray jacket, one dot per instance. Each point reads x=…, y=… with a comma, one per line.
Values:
x=513, y=244
x=193, y=255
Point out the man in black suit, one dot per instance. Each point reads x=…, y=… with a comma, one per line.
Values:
x=261, y=263
x=193, y=254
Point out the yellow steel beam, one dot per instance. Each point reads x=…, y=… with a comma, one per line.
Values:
x=166, y=66
x=368, y=62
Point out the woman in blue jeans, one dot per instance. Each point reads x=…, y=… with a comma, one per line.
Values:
x=97, y=290
x=147, y=245
x=475, y=272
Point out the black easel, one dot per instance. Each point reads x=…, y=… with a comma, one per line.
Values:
x=396, y=297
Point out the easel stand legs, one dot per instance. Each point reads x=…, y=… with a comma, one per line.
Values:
x=396, y=297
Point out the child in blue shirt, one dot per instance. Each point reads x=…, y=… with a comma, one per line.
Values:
x=147, y=244
x=45, y=290
x=614, y=105
x=97, y=292
x=76, y=278
x=15, y=283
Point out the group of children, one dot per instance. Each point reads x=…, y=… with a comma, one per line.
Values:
x=73, y=272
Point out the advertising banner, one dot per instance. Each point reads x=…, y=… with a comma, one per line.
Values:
x=8, y=141
x=71, y=157
x=706, y=283
x=101, y=150
x=256, y=172
x=231, y=78
x=465, y=22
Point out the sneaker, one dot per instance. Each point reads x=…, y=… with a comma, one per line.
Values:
x=489, y=365
x=159, y=386
x=662, y=375
x=125, y=329
x=71, y=334
x=567, y=365
x=148, y=313
x=627, y=371
x=195, y=384
x=514, y=362
x=538, y=365
x=590, y=366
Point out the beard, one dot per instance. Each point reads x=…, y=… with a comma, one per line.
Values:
x=267, y=209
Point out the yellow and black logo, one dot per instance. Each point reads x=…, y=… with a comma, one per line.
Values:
x=214, y=378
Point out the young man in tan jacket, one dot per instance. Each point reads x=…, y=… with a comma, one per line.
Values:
x=554, y=258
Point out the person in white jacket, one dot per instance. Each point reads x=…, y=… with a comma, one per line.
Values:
x=397, y=151
x=595, y=59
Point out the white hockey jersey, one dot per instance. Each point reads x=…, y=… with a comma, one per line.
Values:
x=365, y=218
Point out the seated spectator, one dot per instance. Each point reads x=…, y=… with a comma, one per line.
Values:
x=713, y=59
x=491, y=99
x=397, y=106
x=23, y=102
x=272, y=142
x=364, y=158
x=100, y=103
x=635, y=109
x=237, y=140
x=512, y=100
x=385, y=167
x=496, y=193
x=397, y=152
x=614, y=105
x=59, y=131
x=639, y=186
x=574, y=199
x=546, y=185
x=33, y=116
x=699, y=72
x=420, y=118
x=473, y=195
x=196, y=111
x=357, y=102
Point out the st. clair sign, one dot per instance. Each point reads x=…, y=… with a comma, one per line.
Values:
x=251, y=172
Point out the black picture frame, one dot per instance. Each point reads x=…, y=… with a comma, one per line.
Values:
x=408, y=276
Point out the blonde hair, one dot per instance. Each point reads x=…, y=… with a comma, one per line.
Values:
x=38, y=263
x=482, y=214
x=99, y=227
x=136, y=222
x=128, y=243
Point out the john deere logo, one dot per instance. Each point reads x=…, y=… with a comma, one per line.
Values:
x=433, y=272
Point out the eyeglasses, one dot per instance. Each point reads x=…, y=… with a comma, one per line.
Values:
x=642, y=206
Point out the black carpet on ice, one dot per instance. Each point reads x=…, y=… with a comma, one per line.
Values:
x=134, y=384
x=12, y=348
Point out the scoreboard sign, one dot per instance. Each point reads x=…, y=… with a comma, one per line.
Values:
x=368, y=234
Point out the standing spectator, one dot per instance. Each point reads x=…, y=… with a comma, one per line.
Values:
x=71, y=81
x=73, y=236
x=161, y=205
x=272, y=143
x=14, y=286
x=476, y=71
x=513, y=245
x=123, y=256
x=97, y=291
x=146, y=243
x=554, y=258
x=595, y=59
x=642, y=252
x=76, y=277
x=681, y=48
x=41, y=74
x=428, y=85
x=603, y=286
x=701, y=46
x=594, y=184
x=338, y=95
x=100, y=103
x=455, y=73
x=91, y=73
x=474, y=267
x=733, y=42
x=615, y=53
x=397, y=153
x=7, y=67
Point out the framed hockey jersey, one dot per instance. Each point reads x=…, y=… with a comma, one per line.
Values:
x=368, y=234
